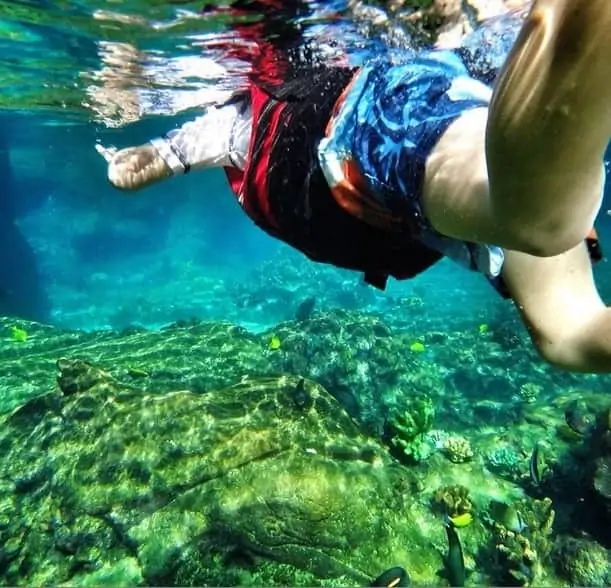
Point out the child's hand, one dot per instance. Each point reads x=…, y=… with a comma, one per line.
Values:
x=135, y=167
x=106, y=152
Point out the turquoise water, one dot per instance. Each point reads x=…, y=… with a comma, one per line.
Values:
x=129, y=282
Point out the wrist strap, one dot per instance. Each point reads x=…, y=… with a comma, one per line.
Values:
x=170, y=155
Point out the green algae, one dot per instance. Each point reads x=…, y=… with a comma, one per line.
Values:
x=99, y=474
x=150, y=475
x=189, y=456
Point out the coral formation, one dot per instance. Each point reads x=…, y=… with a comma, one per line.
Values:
x=523, y=552
x=529, y=392
x=457, y=449
x=406, y=430
x=451, y=501
x=505, y=461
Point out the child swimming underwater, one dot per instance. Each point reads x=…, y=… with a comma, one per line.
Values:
x=388, y=167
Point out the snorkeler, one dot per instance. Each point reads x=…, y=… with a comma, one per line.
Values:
x=388, y=167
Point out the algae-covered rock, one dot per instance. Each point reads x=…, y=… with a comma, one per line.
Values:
x=102, y=483
x=583, y=562
x=354, y=356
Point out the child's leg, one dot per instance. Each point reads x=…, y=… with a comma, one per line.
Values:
x=218, y=138
x=531, y=178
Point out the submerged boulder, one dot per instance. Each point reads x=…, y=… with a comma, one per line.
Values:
x=103, y=483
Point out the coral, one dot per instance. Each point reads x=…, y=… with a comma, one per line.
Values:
x=457, y=449
x=406, y=430
x=596, y=449
x=520, y=559
x=529, y=392
x=416, y=418
x=451, y=501
x=523, y=553
x=504, y=460
x=582, y=562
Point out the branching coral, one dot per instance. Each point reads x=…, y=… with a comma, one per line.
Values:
x=523, y=552
x=407, y=430
x=451, y=500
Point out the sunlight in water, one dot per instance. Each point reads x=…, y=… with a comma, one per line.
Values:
x=120, y=62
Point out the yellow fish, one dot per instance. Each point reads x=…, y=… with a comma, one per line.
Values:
x=417, y=347
x=274, y=342
x=461, y=520
x=19, y=335
x=136, y=372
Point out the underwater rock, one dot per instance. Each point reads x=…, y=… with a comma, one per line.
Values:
x=356, y=357
x=305, y=309
x=78, y=376
x=583, y=562
x=130, y=487
x=602, y=479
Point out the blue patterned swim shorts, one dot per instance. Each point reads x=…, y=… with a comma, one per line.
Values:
x=389, y=122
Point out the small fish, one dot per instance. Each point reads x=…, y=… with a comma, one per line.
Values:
x=417, y=347
x=136, y=372
x=274, y=342
x=461, y=520
x=483, y=329
x=536, y=465
x=19, y=335
x=392, y=578
x=508, y=516
x=454, y=560
x=305, y=309
x=301, y=398
x=579, y=417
